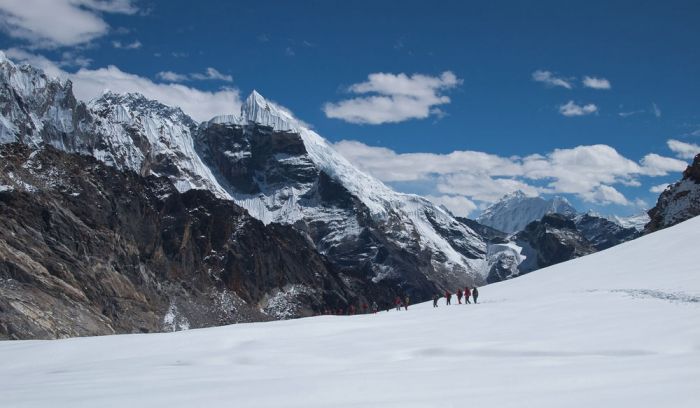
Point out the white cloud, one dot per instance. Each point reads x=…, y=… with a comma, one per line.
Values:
x=659, y=188
x=655, y=110
x=483, y=187
x=549, y=79
x=210, y=74
x=56, y=23
x=596, y=83
x=605, y=195
x=129, y=46
x=655, y=165
x=570, y=109
x=91, y=83
x=171, y=76
x=682, y=149
x=394, y=98
x=589, y=172
x=458, y=205
x=630, y=113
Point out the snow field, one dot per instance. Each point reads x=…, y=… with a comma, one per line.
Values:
x=616, y=328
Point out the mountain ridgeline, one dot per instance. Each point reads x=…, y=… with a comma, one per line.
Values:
x=124, y=215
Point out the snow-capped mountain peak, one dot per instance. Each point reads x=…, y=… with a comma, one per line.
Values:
x=409, y=221
x=259, y=110
x=515, y=210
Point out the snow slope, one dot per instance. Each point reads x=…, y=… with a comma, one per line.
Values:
x=618, y=328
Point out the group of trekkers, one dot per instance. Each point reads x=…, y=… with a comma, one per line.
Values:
x=473, y=292
x=404, y=302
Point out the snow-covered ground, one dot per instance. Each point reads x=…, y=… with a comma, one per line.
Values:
x=619, y=328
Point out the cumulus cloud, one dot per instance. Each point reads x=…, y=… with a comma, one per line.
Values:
x=392, y=98
x=682, y=149
x=483, y=187
x=550, y=79
x=656, y=165
x=596, y=83
x=91, y=83
x=458, y=205
x=210, y=74
x=56, y=23
x=589, y=172
x=570, y=109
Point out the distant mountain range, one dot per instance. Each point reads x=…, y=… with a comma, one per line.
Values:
x=125, y=215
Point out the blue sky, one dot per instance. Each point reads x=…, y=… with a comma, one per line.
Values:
x=488, y=80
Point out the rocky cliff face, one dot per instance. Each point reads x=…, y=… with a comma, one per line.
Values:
x=603, y=233
x=551, y=240
x=281, y=171
x=87, y=249
x=679, y=202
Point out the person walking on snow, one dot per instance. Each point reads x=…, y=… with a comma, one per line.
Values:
x=406, y=302
x=467, y=293
x=475, y=293
x=397, y=303
x=459, y=296
x=436, y=297
x=375, y=308
x=448, y=297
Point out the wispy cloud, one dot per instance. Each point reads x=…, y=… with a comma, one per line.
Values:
x=393, y=98
x=570, y=109
x=136, y=44
x=58, y=23
x=550, y=79
x=596, y=83
x=655, y=110
x=630, y=113
x=210, y=74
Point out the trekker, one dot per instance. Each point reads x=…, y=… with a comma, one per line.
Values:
x=448, y=297
x=475, y=293
x=467, y=293
x=397, y=303
x=459, y=296
x=406, y=302
x=375, y=308
x=435, y=300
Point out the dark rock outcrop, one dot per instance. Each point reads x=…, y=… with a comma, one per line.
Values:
x=86, y=249
x=603, y=233
x=679, y=202
x=551, y=240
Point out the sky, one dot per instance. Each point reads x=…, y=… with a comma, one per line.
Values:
x=460, y=101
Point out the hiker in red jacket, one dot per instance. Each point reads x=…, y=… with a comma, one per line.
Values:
x=467, y=293
x=459, y=296
x=448, y=297
x=397, y=303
